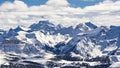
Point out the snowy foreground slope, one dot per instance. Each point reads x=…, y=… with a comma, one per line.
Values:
x=44, y=45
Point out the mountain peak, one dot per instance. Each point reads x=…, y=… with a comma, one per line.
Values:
x=18, y=29
x=91, y=25
x=41, y=25
x=21, y=28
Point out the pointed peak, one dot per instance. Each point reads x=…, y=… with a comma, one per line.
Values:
x=11, y=29
x=18, y=29
x=91, y=25
x=59, y=26
x=41, y=25
x=21, y=28
x=79, y=25
x=45, y=22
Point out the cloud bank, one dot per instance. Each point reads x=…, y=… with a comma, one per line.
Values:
x=59, y=12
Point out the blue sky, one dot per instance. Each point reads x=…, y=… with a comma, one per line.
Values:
x=73, y=3
x=28, y=2
x=83, y=3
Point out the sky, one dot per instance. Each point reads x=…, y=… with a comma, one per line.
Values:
x=74, y=3
x=15, y=13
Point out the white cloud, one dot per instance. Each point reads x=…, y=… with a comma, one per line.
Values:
x=58, y=11
x=16, y=6
x=57, y=3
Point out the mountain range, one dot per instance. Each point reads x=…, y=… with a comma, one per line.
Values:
x=46, y=40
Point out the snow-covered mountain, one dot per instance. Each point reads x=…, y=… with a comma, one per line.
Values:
x=44, y=38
